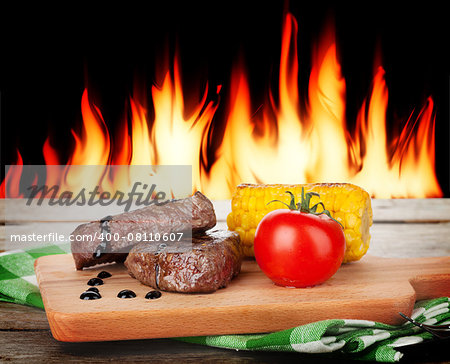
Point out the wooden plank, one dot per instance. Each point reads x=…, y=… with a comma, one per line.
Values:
x=384, y=210
x=19, y=317
x=411, y=210
x=222, y=209
x=26, y=347
x=372, y=289
x=396, y=240
x=2, y=237
x=17, y=212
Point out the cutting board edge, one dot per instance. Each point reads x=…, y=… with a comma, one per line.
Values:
x=66, y=326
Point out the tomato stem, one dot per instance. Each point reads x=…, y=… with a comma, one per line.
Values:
x=304, y=205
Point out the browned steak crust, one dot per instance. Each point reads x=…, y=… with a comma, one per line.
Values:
x=194, y=215
x=204, y=265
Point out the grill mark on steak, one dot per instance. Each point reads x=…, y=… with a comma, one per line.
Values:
x=204, y=265
x=192, y=215
x=156, y=276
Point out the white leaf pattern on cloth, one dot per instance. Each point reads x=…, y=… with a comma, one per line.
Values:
x=324, y=345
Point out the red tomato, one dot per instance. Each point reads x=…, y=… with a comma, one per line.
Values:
x=297, y=249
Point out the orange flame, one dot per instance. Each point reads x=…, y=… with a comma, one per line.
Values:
x=279, y=144
x=410, y=171
x=262, y=150
x=177, y=140
x=11, y=183
x=329, y=149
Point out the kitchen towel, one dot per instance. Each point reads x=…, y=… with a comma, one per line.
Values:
x=17, y=277
x=356, y=339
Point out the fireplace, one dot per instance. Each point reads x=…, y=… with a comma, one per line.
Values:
x=278, y=93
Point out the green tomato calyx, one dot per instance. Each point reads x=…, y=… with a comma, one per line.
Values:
x=304, y=205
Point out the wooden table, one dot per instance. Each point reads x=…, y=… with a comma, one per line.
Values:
x=402, y=228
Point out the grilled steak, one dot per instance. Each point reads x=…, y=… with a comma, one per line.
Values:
x=192, y=215
x=204, y=265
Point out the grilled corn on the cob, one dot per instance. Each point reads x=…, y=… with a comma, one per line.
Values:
x=347, y=203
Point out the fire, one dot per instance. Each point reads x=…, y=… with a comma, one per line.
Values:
x=329, y=148
x=12, y=180
x=287, y=149
x=279, y=144
x=410, y=169
x=176, y=139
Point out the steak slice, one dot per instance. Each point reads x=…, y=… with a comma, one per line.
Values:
x=204, y=265
x=192, y=215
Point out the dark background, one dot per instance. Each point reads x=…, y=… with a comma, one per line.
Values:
x=50, y=55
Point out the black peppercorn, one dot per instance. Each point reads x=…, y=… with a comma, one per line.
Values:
x=153, y=295
x=90, y=295
x=104, y=274
x=95, y=282
x=126, y=293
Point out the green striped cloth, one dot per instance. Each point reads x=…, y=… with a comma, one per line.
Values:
x=355, y=339
x=17, y=278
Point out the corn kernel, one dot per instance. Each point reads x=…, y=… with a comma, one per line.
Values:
x=260, y=204
x=328, y=201
x=314, y=200
x=244, y=203
x=235, y=204
x=230, y=221
x=339, y=201
x=339, y=216
x=351, y=220
x=245, y=222
x=259, y=216
x=252, y=203
x=241, y=233
x=252, y=220
x=237, y=218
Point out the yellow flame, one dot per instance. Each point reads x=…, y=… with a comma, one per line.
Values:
x=328, y=160
x=279, y=144
x=178, y=140
x=410, y=171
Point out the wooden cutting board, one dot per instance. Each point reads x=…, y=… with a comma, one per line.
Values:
x=371, y=289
